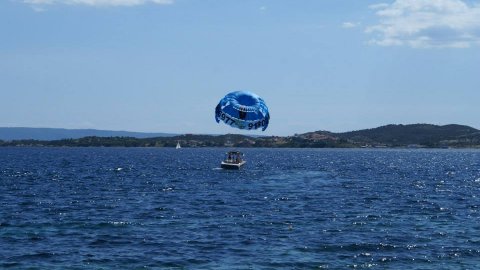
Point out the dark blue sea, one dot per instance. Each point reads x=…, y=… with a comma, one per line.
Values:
x=156, y=208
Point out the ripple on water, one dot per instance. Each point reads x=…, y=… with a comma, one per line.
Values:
x=122, y=208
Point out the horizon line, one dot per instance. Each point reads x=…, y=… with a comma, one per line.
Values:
x=213, y=134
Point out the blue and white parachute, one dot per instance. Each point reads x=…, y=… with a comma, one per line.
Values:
x=243, y=110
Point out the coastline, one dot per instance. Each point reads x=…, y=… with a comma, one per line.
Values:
x=414, y=136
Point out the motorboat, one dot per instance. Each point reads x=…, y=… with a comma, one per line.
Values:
x=233, y=161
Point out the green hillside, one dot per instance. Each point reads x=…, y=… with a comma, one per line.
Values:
x=417, y=135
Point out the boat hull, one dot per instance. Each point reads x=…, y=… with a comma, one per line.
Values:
x=232, y=166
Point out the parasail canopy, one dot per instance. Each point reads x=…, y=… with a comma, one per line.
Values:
x=243, y=110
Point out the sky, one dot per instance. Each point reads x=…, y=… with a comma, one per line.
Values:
x=163, y=65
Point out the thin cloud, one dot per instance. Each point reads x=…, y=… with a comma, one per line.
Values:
x=426, y=24
x=38, y=9
x=350, y=24
x=379, y=6
x=37, y=3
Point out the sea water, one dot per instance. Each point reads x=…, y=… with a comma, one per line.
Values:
x=157, y=208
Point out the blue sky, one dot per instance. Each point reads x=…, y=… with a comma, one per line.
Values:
x=163, y=65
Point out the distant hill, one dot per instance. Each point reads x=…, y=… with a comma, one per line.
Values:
x=421, y=134
x=426, y=135
x=417, y=136
x=48, y=134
